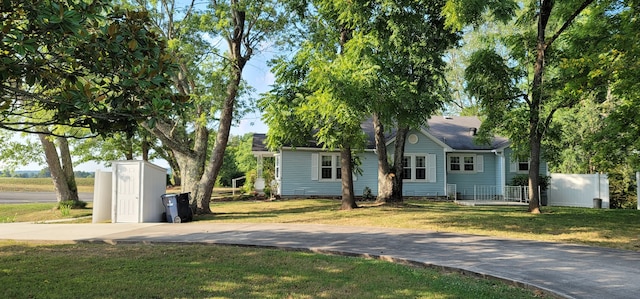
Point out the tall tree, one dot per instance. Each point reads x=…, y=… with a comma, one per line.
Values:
x=522, y=99
x=211, y=75
x=315, y=90
x=385, y=59
x=410, y=83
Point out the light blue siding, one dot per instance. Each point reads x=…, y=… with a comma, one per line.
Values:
x=466, y=181
x=297, y=168
x=509, y=174
x=297, y=181
x=424, y=145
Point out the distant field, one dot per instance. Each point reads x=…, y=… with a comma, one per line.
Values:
x=40, y=184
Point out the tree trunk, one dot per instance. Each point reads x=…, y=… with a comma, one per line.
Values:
x=238, y=61
x=535, y=130
x=534, y=174
x=57, y=174
x=67, y=168
x=145, y=149
x=197, y=174
x=389, y=177
x=398, y=164
x=346, y=171
x=385, y=172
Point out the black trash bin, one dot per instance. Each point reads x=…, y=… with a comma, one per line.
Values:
x=597, y=203
x=177, y=208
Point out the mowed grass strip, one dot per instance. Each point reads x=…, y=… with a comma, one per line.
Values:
x=30, y=270
x=40, y=184
x=38, y=212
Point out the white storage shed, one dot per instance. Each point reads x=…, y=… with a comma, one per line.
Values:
x=137, y=190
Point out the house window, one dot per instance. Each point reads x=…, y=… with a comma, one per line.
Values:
x=520, y=165
x=523, y=165
x=463, y=163
x=330, y=167
x=406, y=170
x=421, y=168
x=454, y=163
x=468, y=163
x=415, y=167
x=327, y=167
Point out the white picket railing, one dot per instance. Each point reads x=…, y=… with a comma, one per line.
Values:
x=452, y=192
x=495, y=193
x=516, y=193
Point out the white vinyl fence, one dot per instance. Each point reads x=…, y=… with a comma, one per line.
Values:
x=578, y=190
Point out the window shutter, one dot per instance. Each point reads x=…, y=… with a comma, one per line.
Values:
x=431, y=166
x=314, y=167
x=514, y=166
x=480, y=163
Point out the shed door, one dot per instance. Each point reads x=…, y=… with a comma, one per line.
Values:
x=127, y=193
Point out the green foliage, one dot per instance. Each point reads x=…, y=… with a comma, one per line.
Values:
x=460, y=13
x=72, y=204
x=82, y=64
x=622, y=188
x=523, y=180
x=249, y=181
x=367, y=194
x=238, y=160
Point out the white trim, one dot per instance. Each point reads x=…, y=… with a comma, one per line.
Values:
x=478, y=163
x=430, y=165
x=515, y=165
x=314, y=166
x=278, y=166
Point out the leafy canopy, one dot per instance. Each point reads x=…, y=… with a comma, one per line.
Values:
x=81, y=64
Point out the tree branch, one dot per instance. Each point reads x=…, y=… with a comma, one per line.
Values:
x=568, y=22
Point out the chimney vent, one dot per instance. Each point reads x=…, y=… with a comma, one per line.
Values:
x=473, y=131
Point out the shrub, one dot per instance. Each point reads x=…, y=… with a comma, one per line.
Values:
x=367, y=194
x=72, y=204
x=523, y=180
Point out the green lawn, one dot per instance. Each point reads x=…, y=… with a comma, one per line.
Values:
x=40, y=184
x=30, y=270
x=172, y=271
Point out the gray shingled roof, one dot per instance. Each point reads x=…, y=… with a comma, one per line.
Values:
x=453, y=131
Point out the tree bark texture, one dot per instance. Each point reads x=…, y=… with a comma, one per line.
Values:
x=238, y=62
x=389, y=176
x=67, y=168
x=385, y=173
x=63, y=192
x=346, y=171
x=398, y=164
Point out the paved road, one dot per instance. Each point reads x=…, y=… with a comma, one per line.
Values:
x=27, y=197
x=570, y=271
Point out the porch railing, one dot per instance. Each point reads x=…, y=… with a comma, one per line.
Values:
x=452, y=192
x=505, y=193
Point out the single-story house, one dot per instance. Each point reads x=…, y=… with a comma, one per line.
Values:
x=441, y=159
